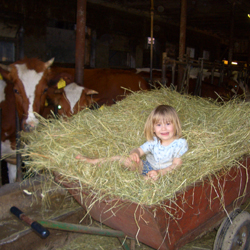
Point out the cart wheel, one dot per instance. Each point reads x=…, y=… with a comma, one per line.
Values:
x=235, y=235
x=223, y=229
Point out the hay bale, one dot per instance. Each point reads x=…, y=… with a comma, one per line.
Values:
x=218, y=136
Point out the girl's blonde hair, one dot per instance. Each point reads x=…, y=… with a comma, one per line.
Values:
x=162, y=113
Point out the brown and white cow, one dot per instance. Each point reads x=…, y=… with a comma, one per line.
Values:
x=70, y=99
x=8, y=135
x=23, y=88
x=107, y=85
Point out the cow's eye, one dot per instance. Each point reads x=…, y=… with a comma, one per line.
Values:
x=16, y=91
x=45, y=90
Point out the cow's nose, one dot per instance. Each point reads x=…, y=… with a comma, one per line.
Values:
x=28, y=127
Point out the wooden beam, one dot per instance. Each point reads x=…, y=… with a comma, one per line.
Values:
x=80, y=40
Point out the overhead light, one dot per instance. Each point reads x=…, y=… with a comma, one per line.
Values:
x=248, y=15
x=149, y=40
x=225, y=61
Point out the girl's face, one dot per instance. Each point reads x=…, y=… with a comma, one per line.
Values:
x=165, y=131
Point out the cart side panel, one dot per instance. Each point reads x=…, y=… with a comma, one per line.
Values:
x=134, y=220
x=202, y=207
x=194, y=212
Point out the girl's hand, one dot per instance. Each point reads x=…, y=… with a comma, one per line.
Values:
x=134, y=157
x=80, y=157
x=153, y=174
x=136, y=154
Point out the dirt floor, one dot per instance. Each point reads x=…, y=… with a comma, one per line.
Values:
x=15, y=234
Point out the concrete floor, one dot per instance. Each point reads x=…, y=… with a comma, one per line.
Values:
x=14, y=234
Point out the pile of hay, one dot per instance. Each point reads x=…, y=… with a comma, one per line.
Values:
x=218, y=136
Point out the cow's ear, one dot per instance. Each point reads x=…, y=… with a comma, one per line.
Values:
x=5, y=75
x=90, y=91
x=5, y=71
x=49, y=63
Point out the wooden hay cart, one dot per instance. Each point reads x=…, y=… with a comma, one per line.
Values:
x=197, y=210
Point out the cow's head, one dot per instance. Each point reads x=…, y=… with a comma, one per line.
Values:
x=29, y=79
x=237, y=88
x=70, y=98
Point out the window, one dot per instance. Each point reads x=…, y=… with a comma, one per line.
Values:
x=190, y=52
x=7, y=51
x=119, y=59
x=206, y=54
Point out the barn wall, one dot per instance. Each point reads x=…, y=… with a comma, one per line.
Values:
x=120, y=35
x=102, y=52
x=60, y=43
x=34, y=47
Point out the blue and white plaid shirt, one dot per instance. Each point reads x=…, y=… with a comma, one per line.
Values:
x=160, y=156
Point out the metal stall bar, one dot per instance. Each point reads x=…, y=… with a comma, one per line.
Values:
x=152, y=39
x=1, y=147
x=80, y=40
x=197, y=90
x=182, y=41
x=18, y=155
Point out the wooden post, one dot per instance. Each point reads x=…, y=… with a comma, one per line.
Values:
x=80, y=40
x=182, y=41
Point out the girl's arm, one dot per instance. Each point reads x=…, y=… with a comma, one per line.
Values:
x=155, y=174
x=136, y=154
x=176, y=163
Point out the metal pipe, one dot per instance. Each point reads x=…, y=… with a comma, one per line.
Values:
x=80, y=41
x=21, y=43
x=1, y=147
x=18, y=155
x=152, y=38
x=231, y=37
x=93, y=49
x=163, y=74
x=182, y=41
x=84, y=229
x=173, y=73
x=248, y=52
x=80, y=228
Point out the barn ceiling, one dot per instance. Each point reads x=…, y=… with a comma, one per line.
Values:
x=212, y=16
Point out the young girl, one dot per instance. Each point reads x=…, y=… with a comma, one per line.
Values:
x=163, y=148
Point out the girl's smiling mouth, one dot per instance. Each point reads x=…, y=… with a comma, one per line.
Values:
x=167, y=133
